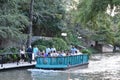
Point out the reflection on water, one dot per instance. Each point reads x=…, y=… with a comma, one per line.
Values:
x=101, y=67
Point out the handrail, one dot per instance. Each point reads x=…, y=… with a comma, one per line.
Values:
x=14, y=57
x=65, y=60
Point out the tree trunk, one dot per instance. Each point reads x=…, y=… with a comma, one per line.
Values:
x=96, y=43
x=30, y=25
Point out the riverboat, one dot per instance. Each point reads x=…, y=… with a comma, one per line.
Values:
x=63, y=62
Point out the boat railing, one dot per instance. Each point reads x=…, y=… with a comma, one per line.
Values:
x=64, y=60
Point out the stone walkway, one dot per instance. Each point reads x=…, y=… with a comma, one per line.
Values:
x=15, y=65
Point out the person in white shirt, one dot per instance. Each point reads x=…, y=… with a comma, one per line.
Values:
x=53, y=49
x=54, y=54
x=63, y=53
x=77, y=52
x=22, y=54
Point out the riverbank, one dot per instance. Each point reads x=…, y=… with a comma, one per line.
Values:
x=16, y=65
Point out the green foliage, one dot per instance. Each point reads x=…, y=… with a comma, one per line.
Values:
x=10, y=58
x=41, y=47
x=92, y=15
x=86, y=51
x=59, y=44
x=93, y=50
x=47, y=43
x=13, y=57
x=2, y=51
x=48, y=16
x=103, y=32
x=88, y=9
x=12, y=22
x=73, y=39
x=11, y=50
x=116, y=29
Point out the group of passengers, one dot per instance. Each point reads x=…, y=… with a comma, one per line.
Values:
x=49, y=52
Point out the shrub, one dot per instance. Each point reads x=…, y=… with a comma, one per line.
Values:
x=93, y=50
x=14, y=57
x=2, y=51
x=86, y=51
x=6, y=58
x=41, y=47
x=47, y=43
x=59, y=44
x=11, y=50
x=73, y=39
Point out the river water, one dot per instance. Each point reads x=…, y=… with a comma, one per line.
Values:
x=100, y=67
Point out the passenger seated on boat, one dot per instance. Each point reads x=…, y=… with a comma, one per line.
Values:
x=63, y=53
x=73, y=49
x=38, y=53
x=48, y=50
x=68, y=53
x=77, y=52
x=54, y=54
x=42, y=54
x=49, y=54
x=60, y=54
x=53, y=49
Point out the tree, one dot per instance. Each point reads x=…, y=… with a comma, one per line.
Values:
x=11, y=21
x=88, y=10
x=48, y=17
x=93, y=15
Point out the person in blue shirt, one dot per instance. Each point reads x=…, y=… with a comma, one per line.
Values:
x=35, y=52
x=73, y=49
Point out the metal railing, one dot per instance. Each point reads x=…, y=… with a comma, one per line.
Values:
x=11, y=58
x=65, y=60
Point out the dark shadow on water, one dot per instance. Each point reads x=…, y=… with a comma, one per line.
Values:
x=78, y=67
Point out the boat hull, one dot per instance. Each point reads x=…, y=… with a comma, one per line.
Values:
x=61, y=62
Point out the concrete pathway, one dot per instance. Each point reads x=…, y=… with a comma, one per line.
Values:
x=107, y=48
x=15, y=65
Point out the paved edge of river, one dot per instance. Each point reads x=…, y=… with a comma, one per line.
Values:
x=15, y=65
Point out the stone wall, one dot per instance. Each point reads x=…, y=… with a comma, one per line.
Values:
x=34, y=38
